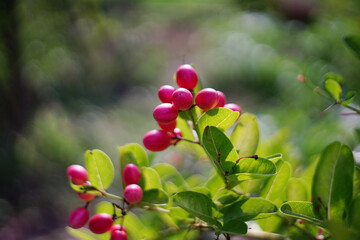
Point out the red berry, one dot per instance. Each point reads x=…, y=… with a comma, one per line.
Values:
x=117, y=227
x=182, y=99
x=133, y=193
x=100, y=223
x=233, y=107
x=207, y=99
x=77, y=173
x=87, y=197
x=168, y=127
x=165, y=92
x=186, y=77
x=165, y=113
x=118, y=235
x=222, y=99
x=78, y=218
x=156, y=140
x=131, y=174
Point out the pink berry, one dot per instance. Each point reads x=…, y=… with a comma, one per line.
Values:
x=222, y=99
x=78, y=218
x=118, y=235
x=156, y=140
x=207, y=99
x=186, y=77
x=131, y=174
x=133, y=193
x=165, y=113
x=168, y=127
x=182, y=99
x=233, y=107
x=165, y=92
x=77, y=173
x=100, y=223
x=117, y=227
x=87, y=197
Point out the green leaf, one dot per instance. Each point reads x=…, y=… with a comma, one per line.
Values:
x=198, y=205
x=222, y=118
x=100, y=169
x=219, y=149
x=336, y=77
x=214, y=183
x=332, y=189
x=249, y=209
x=303, y=210
x=334, y=88
x=349, y=98
x=354, y=213
x=150, y=179
x=296, y=190
x=132, y=153
x=83, y=189
x=356, y=181
x=82, y=233
x=245, y=136
x=155, y=196
x=169, y=173
x=275, y=157
x=250, y=168
x=235, y=227
x=277, y=183
x=354, y=43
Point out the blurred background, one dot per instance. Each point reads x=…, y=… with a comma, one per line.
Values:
x=78, y=75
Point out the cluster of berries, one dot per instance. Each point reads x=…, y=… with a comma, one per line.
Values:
x=181, y=99
x=131, y=176
x=79, y=176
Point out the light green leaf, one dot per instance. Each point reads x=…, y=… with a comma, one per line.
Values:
x=83, y=189
x=150, y=179
x=198, y=205
x=155, y=196
x=353, y=42
x=219, y=149
x=249, y=209
x=332, y=189
x=245, y=136
x=214, y=183
x=235, y=227
x=277, y=183
x=132, y=153
x=100, y=169
x=222, y=118
x=169, y=173
x=303, y=210
x=334, y=88
x=275, y=157
x=349, y=98
x=82, y=233
x=296, y=190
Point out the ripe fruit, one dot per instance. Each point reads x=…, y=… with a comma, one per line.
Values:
x=100, y=223
x=186, y=77
x=157, y=140
x=168, y=127
x=165, y=92
x=117, y=227
x=87, y=197
x=222, y=99
x=207, y=99
x=133, y=193
x=165, y=113
x=131, y=174
x=182, y=99
x=77, y=174
x=233, y=107
x=78, y=218
x=118, y=235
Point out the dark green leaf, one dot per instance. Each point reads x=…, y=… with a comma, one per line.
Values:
x=354, y=43
x=356, y=181
x=333, y=88
x=249, y=209
x=100, y=169
x=132, y=153
x=222, y=118
x=354, y=214
x=235, y=227
x=349, y=98
x=155, y=196
x=332, y=189
x=303, y=210
x=198, y=205
x=245, y=136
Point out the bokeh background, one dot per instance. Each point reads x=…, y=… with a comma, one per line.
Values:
x=84, y=74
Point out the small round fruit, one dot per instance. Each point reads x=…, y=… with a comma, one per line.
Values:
x=207, y=99
x=222, y=99
x=117, y=227
x=131, y=174
x=118, y=235
x=78, y=218
x=157, y=140
x=165, y=92
x=165, y=113
x=100, y=223
x=168, y=127
x=186, y=77
x=133, y=193
x=233, y=107
x=87, y=197
x=77, y=174
x=182, y=99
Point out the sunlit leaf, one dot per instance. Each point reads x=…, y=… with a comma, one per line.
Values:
x=82, y=233
x=100, y=169
x=296, y=190
x=349, y=98
x=150, y=179
x=303, y=210
x=334, y=88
